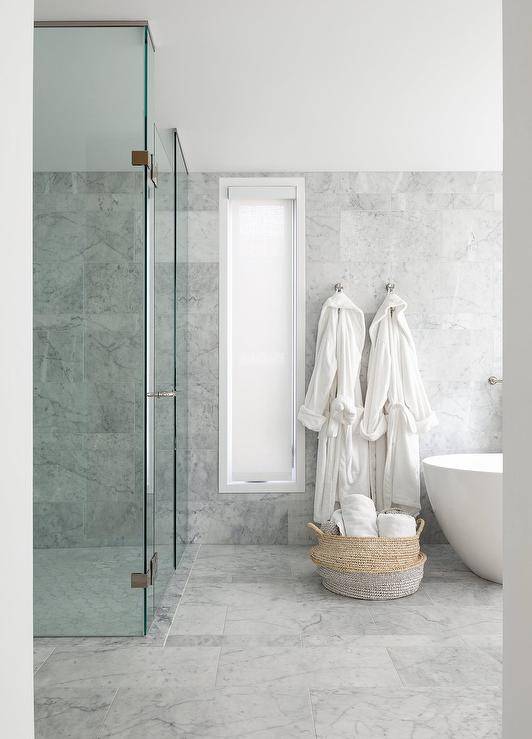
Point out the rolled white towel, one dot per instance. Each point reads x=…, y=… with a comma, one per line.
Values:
x=359, y=515
x=395, y=525
x=338, y=519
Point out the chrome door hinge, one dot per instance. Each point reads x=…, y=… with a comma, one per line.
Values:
x=143, y=158
x=145, y=579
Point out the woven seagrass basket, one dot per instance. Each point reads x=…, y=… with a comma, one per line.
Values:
x=374, y=585
x=368, y=567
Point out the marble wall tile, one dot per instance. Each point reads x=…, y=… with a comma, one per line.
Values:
x=110, y=407
x=202, y=473
x=202, y=422
x=203, y=191
x=58, y=523
x=59, y=471
x=202, y=289
x=109, y=460
x=165, y=290
x=164, y=228
x=203, y=236
x=114, y=346
x=202, y=349
x=58, y=287
x=383, y=235
x=114, y=288
x=112, y=523
x=59, y=236
x=364, y=228
x=110, y=236
x=108, y=182
x=322, y=234
x=60, y=406
x=475, y=235
x=164, y=424
x=58, y=348
x=61, y=181
x=88, y=304
x=258, y=521
x=442, y=201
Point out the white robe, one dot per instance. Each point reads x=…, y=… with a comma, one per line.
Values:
x=397, y=409
x=333, y=406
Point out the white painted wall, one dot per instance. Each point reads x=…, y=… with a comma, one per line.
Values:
x=518, y=366
x=16, y=60
x=302, y=85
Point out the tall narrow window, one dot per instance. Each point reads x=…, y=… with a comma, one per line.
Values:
x=262, y=339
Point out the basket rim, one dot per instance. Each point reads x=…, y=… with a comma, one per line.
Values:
x=421, y=559
x=335, y=537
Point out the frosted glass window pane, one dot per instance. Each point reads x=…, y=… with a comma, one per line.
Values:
x=260, y=337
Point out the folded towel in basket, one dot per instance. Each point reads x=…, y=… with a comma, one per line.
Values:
x=338, y=519
x=394, y=525
x=359, y=515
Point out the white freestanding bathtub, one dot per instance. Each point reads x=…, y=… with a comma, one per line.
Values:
x=465, y=491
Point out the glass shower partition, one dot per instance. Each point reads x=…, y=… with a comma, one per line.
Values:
x=104, y=253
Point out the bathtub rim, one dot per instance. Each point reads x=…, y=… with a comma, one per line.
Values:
x=445, y=462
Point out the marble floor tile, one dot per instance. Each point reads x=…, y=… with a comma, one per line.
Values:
x=255, y=632
x=247, y=594
x=41, y=652
x=467, y=591
x=221, y=714
x=405, y=713
x=314, y=667
x=443, y=665
x=186, y=666
x=300, y=618
x=489, y=643
x=370, y=641
x=70, y=712
x=436, y=620
x=234, y=641
x=196, y=620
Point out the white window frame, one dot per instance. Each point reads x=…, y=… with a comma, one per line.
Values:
x=267, y=186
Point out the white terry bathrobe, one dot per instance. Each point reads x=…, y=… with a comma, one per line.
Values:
x=333, y=406
x=397, y=409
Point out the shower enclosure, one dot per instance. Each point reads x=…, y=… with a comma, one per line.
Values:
x=109, y=253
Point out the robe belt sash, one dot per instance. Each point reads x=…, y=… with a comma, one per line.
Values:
x=347, y=415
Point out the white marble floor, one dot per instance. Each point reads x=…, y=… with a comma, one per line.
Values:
x=257, y=648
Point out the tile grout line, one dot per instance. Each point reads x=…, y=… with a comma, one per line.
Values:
x=403, y=684
x=44, y=662
x=312, y=713
x=181, y=596
x=104, y=719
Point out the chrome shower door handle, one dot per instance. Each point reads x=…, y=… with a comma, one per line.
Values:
x=162, y=394
x=494, y=380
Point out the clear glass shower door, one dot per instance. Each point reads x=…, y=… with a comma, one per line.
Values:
x=161, y=372
x=90, y=94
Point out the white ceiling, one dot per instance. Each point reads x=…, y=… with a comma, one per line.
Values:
x=290, y=85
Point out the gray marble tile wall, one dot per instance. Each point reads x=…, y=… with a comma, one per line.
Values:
x=438, y=235
x=88, y=358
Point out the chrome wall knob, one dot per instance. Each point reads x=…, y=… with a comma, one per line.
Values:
x=494, y=380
